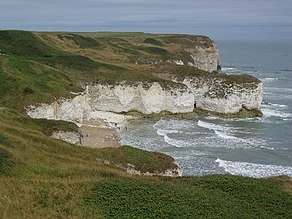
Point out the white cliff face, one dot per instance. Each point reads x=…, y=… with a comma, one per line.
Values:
x=124, y=98
x=215, y=95
x=204, y=58
x=148, y=99
x=203, y=55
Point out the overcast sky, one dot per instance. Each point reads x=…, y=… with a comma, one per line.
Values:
x=219, y=19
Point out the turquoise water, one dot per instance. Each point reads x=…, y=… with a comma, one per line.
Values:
x=256, y=147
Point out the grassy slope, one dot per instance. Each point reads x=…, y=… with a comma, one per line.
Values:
x=42, y=67
x=42, y=177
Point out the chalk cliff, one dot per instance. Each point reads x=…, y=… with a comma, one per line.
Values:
x=212, y=94
x=203, y=55
x=186, y=60
x=146, y=98
x=196, y=51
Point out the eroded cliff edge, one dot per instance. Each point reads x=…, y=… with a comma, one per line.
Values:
x=216, y=94
x=71, y=75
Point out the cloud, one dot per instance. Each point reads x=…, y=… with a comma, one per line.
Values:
x=213, y=17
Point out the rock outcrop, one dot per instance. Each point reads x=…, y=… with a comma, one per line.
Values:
x=207, y=93
x=132, y=169
x=205, y=58
x=146, y=98
x=196, y=51
x=214, y=94
x=70, y=137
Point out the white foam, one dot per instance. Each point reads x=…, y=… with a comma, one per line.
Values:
x=269, y=79
x=187, y=155
x=275, y=113
x=174, y=142
x=220, y=131
x=227, y=69
x=277, y=105
x=269, y=148
x=211, y=126
x=164, y=132
x=253, y=170
x=224, y=135
x=287, y=119
x=279, y=89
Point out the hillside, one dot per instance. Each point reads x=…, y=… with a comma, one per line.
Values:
x=46, y=178
x=43, y=67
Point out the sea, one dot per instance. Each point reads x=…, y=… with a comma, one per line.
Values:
x=253, y=147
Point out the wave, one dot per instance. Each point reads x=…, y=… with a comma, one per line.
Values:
x=220, y=131
x=279, y=89
x=211, y=126
x=275, y=113
x=266, y=147
x=187, y=155
x=164, y=132
x=174, y=142
x=253, y=170
x=224, y=135
x=227, y=69
x=269, y=79
x=277, y=105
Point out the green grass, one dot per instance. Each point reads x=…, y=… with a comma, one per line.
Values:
x=42, y=177
x=82, y=63
x=243, y=113
x=144, y=161
x=205, y=197
x=153, y=41
x=188, y=71
x=82, y=41
x=35, y=70
x=155, y=50
x=6, y=160
x=25, y=44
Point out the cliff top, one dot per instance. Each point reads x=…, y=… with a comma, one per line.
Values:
x=41, y=67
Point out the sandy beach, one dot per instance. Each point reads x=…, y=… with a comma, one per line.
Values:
x=101, y=129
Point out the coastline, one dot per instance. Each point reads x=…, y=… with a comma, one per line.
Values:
x=101, y=129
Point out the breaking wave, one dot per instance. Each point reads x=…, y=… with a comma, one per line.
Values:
x=253, y=170
x=220, y=131
x=174, y=142
x=277, y=105
x=224, y=135
x=211, y=126
x=164, y=132
x=275, y=113
x=269, y=79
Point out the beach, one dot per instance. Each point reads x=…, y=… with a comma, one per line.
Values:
x=101, y=129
